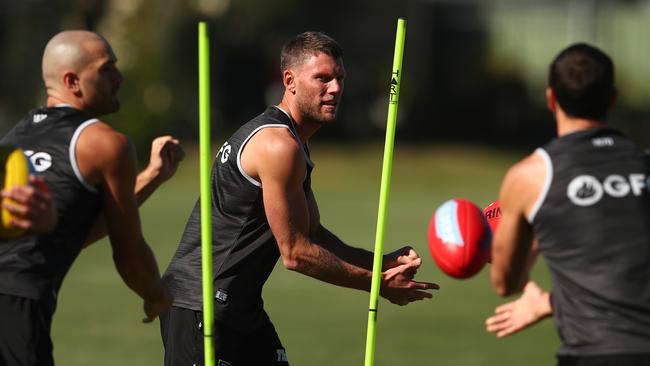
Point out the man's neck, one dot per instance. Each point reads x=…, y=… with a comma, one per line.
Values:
x=566, y=124
x=53, y=101
x=304, y=127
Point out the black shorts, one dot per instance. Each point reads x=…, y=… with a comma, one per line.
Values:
x=605, y=360
x=182, y=336
x=24, y=332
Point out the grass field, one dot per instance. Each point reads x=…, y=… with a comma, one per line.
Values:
x=98, y=319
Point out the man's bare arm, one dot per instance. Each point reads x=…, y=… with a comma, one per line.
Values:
x=166, y=155
x=108, y=158
x=280, y=166
x=511, y=248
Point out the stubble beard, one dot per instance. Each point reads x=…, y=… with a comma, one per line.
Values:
x=312, y=113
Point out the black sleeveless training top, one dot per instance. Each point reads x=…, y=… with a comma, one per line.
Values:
x=592, y=222
x=244, y=249
x=34, y=266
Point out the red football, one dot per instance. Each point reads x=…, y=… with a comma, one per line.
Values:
x=459, y=238
x=493, y=215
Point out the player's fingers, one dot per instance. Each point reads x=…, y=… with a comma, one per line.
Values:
x=410, y=273
x=424, y=285
x=20, y=223
x=420, y=295
x=147, y=320
x=408, y=255
x=177, y=153
x=20, y=194
x=505, y=332
x=497, y=320
x=412, y=265
x=26, y=201
x=173, y=151
x=504, y=308
x=19, y=210
x=498, y=327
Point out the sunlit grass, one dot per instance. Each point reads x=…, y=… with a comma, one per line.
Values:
x=98, y=320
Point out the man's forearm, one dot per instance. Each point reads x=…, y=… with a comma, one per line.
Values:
x=356, y=256
x=145, y=185
x=318, y=262
x=139, y=271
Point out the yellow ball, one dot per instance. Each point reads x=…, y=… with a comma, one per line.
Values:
x=14, y=171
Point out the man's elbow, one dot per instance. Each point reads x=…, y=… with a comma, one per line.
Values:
x=291, y=263
x=295, y=255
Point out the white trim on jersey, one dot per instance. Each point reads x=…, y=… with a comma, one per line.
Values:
x=547, y=184
x=241, y=148
x=73, y=156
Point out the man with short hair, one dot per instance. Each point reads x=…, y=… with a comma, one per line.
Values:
x=263, y=209
x=91, y=170
x=584, y=198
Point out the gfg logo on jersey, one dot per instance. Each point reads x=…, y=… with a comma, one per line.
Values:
x=225, y=152
x=40, y=160
x=586, y=190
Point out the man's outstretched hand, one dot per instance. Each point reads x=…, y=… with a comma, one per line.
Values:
x=512, y=317
x=397, y=284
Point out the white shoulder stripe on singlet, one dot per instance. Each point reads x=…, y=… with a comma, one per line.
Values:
x=241, y=148
x=73, y=155
x=547, y=184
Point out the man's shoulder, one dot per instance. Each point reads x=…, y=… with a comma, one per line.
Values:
x=101, y=139
x=271, y=116
x=529, y=172
x=278, y=143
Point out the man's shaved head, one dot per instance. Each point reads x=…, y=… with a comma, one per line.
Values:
x=67, y=51
x=79, y=69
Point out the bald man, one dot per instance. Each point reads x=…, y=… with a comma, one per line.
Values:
x=91, y=169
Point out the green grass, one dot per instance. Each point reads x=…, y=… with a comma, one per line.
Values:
x=98, y=319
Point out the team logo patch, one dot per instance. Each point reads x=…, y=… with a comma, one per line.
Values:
x=602, y=141
x=39, y=117
x=224, y=152
x=221, y=296
x=586, y=190
x=41, y=161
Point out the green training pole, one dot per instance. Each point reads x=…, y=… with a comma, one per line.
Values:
x=385, y=189
x=206, y=201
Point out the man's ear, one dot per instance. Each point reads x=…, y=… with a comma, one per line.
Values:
x=551, y=101
x=289, y=81
x=71, y=82
x=612, y=99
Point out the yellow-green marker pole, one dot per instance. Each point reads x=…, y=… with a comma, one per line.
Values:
x=385, y=189
x=206, y=199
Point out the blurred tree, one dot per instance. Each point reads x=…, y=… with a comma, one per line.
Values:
x=473, y=71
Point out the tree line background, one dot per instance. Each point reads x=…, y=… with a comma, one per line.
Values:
x=474, y=71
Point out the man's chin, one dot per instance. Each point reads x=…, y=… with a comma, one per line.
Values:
x=324, y=120
x=328, y=117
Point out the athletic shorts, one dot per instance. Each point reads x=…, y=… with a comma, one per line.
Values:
x=182, y=335
x=24, y=332
x=605, y=360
